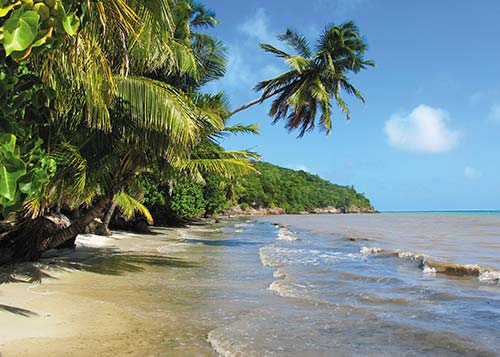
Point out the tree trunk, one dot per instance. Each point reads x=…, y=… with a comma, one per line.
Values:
x=107, y=218
x=255, y=101
x=23, y=241
x=76, y=228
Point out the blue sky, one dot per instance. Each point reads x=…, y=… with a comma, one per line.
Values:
x=428, y=136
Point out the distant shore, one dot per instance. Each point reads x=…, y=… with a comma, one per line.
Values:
x=238, y=211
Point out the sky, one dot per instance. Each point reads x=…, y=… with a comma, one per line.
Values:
x=427, y=137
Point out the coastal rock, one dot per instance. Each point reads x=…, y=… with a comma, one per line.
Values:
x=327, y=210
x=238, y=211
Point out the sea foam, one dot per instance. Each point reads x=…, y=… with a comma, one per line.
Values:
x=287, y=235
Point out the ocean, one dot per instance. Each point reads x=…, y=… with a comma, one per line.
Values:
x=380, y=285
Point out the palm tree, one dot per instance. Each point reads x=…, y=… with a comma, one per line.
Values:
x=315, y=79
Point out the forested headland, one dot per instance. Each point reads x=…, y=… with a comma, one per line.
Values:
x=102, y=105
x=276, y=188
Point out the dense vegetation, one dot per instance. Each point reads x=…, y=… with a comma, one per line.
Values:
x=102, y=107
x=274, y=186
x=294, y=191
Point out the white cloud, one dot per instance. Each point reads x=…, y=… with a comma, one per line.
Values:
x=472, y=173
x=495, y=112
x=302, y=168
x=257, y=27
x=424, y=130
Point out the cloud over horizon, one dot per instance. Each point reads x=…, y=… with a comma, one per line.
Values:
x=424, y=130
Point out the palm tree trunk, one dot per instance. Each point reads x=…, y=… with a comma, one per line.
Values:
x=256, y=101
x=108, y=216
x=76, y=228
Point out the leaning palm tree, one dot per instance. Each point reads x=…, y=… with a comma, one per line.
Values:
x=315, y=79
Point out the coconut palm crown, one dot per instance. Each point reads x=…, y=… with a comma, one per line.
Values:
x=315, y=79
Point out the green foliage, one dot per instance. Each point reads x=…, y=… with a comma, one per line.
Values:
x=294, y=191
x=24, y=163
x=214, y=194
x=315, y=79
x=26, y=25
x=22, y=177
x=187, y=200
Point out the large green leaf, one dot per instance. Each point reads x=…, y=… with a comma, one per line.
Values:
x=11, y=169
x=20, y=30
x=71, y=23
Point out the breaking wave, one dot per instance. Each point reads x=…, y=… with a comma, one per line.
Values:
x=275, y=256
x=285, y=234
x=429, y=265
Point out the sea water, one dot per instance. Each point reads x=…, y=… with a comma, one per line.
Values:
x=386, y=284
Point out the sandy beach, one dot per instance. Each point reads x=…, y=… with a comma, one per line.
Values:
x=93, y=301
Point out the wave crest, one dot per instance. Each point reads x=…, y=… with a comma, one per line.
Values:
x=429, y=265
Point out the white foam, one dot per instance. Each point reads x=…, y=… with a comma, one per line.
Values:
x=370, y=250
x=285, y=234
x=490, y=276
x=276, y=256
x=428, y=270
x=283, y=289
x=218, y=344
x=279, y=274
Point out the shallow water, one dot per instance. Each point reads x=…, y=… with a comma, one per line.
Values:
x=304, y=286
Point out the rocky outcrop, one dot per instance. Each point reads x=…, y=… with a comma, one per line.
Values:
x=327, y=210
x=238, y=211
x=356, y=209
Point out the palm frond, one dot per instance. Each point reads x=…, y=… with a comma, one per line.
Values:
x=130, y=206
x=297, y=42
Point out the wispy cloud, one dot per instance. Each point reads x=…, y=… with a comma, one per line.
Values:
x=424, y=130
x=248, y=64
x=257, y=27
x=495, y=112
x=472, y=173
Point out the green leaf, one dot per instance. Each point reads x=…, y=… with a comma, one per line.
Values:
x=7, y=143
x=20, y=30
x=11, y=169
x=5, y=9
x=71, y=23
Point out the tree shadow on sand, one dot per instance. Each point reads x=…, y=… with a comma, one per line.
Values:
x=105, y=261
x=17, y=311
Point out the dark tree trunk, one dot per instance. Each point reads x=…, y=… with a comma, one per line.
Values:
x=256, y=101
x=31, y=238
x=76, y=228
x=21, y=243
x=107, y=218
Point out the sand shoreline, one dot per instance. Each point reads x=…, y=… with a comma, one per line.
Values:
x=86, y=306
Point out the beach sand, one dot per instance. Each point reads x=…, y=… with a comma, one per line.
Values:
x=98, y=300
